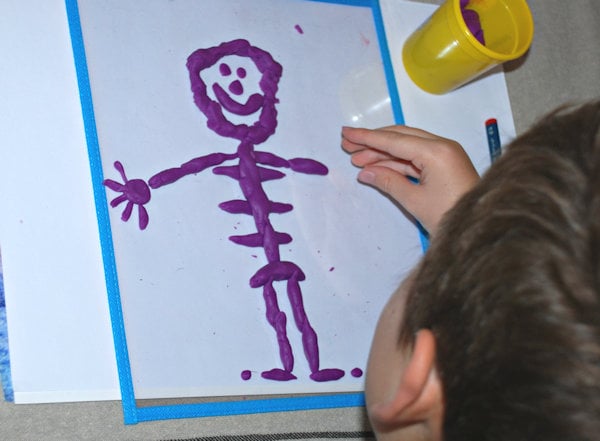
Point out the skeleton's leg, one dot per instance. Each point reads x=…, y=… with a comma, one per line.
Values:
x=280, y=271
x=309, y=336
x=278, y=320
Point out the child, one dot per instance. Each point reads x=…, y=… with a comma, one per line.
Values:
x=496, y=333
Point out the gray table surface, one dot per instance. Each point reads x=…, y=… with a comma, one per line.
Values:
x=563, y=66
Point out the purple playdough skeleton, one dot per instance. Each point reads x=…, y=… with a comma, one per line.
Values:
x=250, y=175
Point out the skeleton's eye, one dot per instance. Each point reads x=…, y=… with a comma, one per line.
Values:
x=225, y=69
x=241, y=72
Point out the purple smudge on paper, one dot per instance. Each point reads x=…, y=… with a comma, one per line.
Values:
x=364, y=39
x=250, y=168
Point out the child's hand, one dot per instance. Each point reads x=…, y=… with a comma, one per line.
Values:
x=391, y=154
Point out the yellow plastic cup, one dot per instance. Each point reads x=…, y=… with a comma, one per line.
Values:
x=443, y=54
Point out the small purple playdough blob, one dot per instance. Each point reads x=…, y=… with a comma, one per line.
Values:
x=356, y=372
x=251, y=169
x=472, y=21
x=236, y=88
x=225, y=69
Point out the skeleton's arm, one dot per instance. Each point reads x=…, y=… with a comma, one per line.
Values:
x=194, y=166
x=136, y=192
x=301, y=165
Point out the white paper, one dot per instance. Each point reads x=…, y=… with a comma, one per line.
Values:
x=60, y=336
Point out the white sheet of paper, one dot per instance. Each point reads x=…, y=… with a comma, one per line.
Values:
x=59, y=330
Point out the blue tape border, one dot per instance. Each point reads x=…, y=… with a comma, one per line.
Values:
x=132, y=413
x=106, y=242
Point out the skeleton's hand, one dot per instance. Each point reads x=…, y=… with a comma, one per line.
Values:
x=135, y=192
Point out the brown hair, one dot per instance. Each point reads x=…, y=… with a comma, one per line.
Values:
x=510, y=288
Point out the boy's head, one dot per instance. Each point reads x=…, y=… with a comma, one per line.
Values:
x=496, y=334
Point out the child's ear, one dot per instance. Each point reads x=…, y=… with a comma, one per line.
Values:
x=418, y=398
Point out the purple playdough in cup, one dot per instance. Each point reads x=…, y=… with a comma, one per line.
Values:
x=472, y=21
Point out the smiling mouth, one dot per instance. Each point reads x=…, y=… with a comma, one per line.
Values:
x=253, y=103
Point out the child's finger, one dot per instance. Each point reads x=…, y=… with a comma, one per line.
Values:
x=397, y=144
x=402, y=167
x=407, y=130
x=365, y=157
x=395, y=184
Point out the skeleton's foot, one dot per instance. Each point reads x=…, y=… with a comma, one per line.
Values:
x=278, y=375
x=327, y=375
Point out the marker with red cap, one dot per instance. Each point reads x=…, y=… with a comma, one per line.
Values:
x=491, y=128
